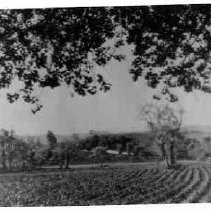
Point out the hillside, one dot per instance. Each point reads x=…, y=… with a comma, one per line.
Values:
x=141, y=143
x=80, y=136
x=42, y=138
x=196, y=132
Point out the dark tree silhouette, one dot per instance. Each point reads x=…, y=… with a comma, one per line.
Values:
x=50, y=47
x=172, y=46
x=52, y=140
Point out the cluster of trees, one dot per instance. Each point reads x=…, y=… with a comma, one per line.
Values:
x=115, y=142
x=164, y=140
x=59, y=153
x=16, y=153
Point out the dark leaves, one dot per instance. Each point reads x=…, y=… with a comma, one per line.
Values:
x=174, y=40
x=171, y=46
x=56, y=42
x=156, y=97
x=50, y=81
x=37, y=108
x=12, y=97
x=152, y=79
x=119, y=57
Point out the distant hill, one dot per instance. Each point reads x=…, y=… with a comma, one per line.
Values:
x=42, y=138
x=143, y=147
x=197, y=132
x=80, y=136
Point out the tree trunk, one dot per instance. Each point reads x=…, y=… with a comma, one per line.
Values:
x=67, y=164
x=3, y=159
x=167, y=162
x=61, y=160
x=10, y=163
x=23, y=165
x=171, y=153
x=166, y=155
x=67, y=160
x=163, y=151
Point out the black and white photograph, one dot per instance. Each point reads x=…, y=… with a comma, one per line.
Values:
x=105, y=105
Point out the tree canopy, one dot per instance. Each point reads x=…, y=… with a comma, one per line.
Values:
x=49, y=47
x=172, y=46
x=165, y=124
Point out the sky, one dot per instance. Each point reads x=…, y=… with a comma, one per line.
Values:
x=118, y=110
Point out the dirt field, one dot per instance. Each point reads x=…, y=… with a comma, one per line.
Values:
x=121, y=184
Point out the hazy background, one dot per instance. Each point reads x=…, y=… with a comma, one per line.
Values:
x=115, y=111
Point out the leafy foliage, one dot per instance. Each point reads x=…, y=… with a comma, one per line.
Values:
x=49, y=47
x=172, y=46
x=165, y=124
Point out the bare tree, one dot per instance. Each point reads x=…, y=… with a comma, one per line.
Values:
x=165, y=124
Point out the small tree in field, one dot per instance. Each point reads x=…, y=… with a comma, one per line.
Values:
x=52, y=140
x=164, y=124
